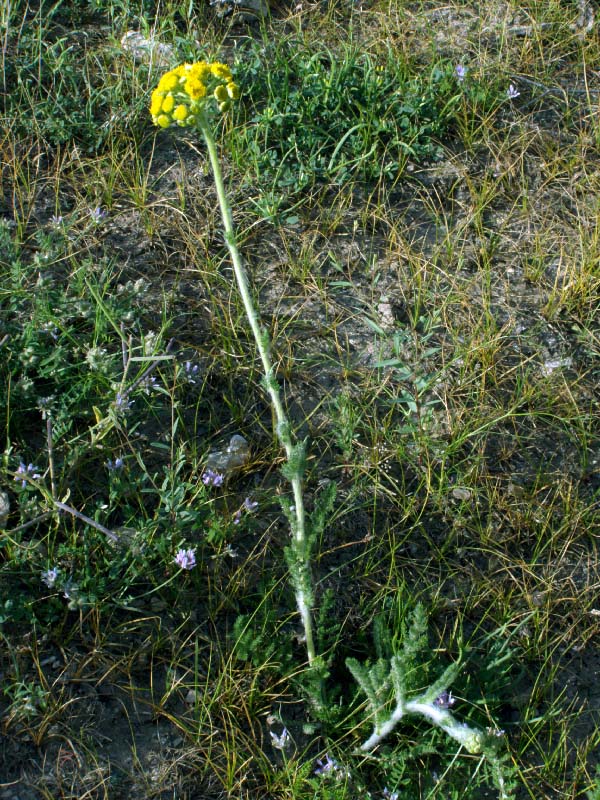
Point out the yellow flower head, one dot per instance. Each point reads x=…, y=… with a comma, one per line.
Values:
x=180, y=113
x=221, y=71
x=183, y=93
x=168, y=104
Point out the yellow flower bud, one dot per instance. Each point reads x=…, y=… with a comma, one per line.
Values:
x=180, y=113
x=221, y=94
x=163, y=121
x=168, y=104
x=168, y=82
x=156, y=103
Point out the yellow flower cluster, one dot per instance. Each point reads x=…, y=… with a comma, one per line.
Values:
x=182, y=93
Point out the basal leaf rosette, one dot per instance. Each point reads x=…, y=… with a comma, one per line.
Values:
x=183, y=93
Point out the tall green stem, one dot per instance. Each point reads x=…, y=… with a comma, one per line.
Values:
x=284, y=434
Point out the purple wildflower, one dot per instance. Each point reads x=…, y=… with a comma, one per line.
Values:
x=282, y=741
x=98, y=214
x=122, y=403
x=512, y=92
x=249, y=506
x=116, y=464
x=444, y=700
x=49, y=577
x=460, y=73
x=51, y=329
x=326, y=765
x=212, y=478
x=150, y=384
x=25, y=473
x=56, y=221
x=185, y=559
x=191, y=372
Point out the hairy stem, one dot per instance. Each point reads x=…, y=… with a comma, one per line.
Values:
x=463, y=734
x=261, y=339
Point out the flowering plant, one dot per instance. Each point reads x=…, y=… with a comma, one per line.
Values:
x=183, y=93
x=181, y=98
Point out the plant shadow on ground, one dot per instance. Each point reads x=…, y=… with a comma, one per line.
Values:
x=431, y=287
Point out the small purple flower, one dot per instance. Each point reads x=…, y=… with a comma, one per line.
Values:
x=512, y=92
x=390, y=795
x=51, y=329
x=212, y=478
x=25, y=473
x=150, y=384
x=249, y=506
x=122, y=403
x=98, y=214
x=49, y=577
x=185, y=559
x=191, y=372
x=57, y=221
x=118, y=463
x=326, y=765
x=460, y=73
x=444, y=700
x=282, y=741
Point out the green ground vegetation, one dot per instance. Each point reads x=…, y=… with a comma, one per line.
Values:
x=415, y=189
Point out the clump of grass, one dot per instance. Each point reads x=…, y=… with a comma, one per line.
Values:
x=52, y=95
x=85, y=373
x=336, y=116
